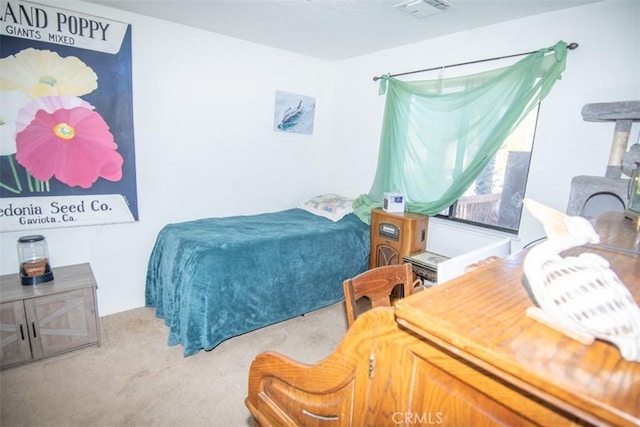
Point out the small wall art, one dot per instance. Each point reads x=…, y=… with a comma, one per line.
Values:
x=294, y=113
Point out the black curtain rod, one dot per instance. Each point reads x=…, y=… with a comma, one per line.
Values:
x=570, y=46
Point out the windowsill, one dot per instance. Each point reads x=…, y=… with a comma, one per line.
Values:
x=475, y=229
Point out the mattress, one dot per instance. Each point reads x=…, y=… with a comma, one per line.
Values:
x=215, y=278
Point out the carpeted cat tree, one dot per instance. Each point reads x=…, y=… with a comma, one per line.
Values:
x=592, y=195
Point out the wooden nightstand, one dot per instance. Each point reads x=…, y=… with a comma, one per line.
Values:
x=39, y=321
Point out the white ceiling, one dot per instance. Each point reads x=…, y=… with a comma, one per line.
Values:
x=334, y=29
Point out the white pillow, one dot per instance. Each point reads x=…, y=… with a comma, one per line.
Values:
x=329, y=206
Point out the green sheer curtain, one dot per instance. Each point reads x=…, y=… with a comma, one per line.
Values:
x=438, y=135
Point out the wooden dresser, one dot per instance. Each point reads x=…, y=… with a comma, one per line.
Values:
x=44, y=320
x=462, y=353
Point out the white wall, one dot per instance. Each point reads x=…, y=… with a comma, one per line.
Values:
x=203, y=112
x=205, y=146
x=605, y=68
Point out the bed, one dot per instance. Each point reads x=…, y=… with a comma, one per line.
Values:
x=215, y=278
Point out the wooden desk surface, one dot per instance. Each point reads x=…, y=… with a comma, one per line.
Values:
x=481, y=318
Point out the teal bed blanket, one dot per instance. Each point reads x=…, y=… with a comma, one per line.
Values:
x=216, y=278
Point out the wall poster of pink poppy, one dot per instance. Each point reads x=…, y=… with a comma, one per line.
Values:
x=67, y=154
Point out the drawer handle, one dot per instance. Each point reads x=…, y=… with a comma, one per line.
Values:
x=320, y=417
x=33, y=326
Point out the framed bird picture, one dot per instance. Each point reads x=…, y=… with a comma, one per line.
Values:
x=294, y=113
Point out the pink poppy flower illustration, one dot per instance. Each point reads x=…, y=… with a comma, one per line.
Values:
x=74, y=145
x=50, y=104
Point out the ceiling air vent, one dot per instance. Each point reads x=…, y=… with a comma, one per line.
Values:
x=422, y=8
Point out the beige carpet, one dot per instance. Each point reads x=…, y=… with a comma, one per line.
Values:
x=135, y=379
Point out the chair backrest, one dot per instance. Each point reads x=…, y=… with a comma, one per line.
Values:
x=377, y=285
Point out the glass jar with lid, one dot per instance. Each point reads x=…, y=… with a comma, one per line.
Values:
x=33, y=258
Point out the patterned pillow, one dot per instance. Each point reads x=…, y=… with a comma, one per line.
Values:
x=329, y=206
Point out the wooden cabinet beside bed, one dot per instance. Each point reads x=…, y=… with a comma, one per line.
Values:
x=462, y=353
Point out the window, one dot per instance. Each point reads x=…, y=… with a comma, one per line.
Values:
x=439, y=134
x=494, y=200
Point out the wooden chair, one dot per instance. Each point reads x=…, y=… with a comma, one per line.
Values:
x=377, y=286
